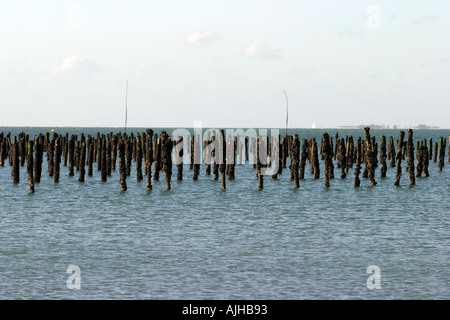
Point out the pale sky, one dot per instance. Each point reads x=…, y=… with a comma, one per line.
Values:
x=225, y=63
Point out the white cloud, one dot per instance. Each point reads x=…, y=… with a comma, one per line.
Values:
x=261, y=49
x=202, y=38
x=75, y=64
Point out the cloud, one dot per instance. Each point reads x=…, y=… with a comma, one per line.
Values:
x=76, y=64
x=434, y=62
x=261, y=49
x=426, y=19
x=202, y=38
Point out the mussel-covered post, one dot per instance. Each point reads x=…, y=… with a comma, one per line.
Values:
x=295, y=161
x=122, y=165
x=30, y=164
x=358, y=154
x=149, y=157
x=166, y=156
x=399, y=159
x=383, y=157
x=327, y=159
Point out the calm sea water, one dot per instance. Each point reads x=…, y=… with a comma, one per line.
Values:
x=199, y=242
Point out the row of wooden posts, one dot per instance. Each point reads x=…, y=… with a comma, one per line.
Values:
x=148, y=149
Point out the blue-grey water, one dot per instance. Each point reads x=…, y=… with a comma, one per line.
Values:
x=197, y=241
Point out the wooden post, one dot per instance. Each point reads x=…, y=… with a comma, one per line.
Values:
x=358, y=154
x=370, y=156
x=295, y=161
x=166, y=156
x=90, y=155
x=196, y=155
x=149, y=157
x=82, y=159
x=157, y=150
x=16, y=161
x=71, y=147
x=103, y=174
x=38, y=150
x=341, y=158
x=122, y=165
x=56, y=167
x=139, y=175
x=207, y=155
x=315, y=159
x=129, y=152
x=441, y=153
x=179, y=151
x=30, y=164
x=425, y=159
x=303, y=157
x=410, y=160
x=435, y=152
x=258, y=164
x=392, y=152
x=383, y=157
x=399, y=159
x=223, y=156
x=326, y=153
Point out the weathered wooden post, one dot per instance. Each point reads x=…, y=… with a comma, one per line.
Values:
x=108, y=154
x=259, y=176
x=358, y=154
x=57, y=161
x=122, y=165
x=50, y=156
x=399, y=159
x=129, y=152
x=138, y=151
x=157, y=157
x=223, y=156
x=295, y=161
x=207, y=155
x=425, y=159
x=315, y=159
x=82, y=159
x=179, y=152
x=30, y=164
x=38, y=150
x=326, y=153
x=166, y=156
x=71, y=147
x=16, y=162
x=103, y=174
x=410, y=160
x=341, y=158
x=65, y=149
x=370, y=156
x=392, y=152
x=196, y=155
x=441, y=153
x=383, y=157
x=149, y=158
x=303, y=157
x=90, y=155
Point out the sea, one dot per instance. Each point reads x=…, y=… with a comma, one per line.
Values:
x=90, y=240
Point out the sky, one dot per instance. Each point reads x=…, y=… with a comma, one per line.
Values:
x=225, y=63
